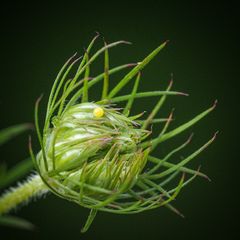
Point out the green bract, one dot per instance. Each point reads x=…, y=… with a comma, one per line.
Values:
x=100, y=156
x=103, y=153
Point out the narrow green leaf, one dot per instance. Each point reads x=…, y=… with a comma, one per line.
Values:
x=143, y=95
x=186, y=125
x=185, y=183
x=87, y=52
x=106, y=74
x=157, y=107
x=181, y=128
x=34, y=160
x=95, y=80
x=39, y=132
x=170, y=178
x=133, y=95
x=52, y=93
x=168, y=156
x=184, y=161
x=176, y=192
x=135, y=70
x=135, y=117
x=156, y=186
x=16, y=172
x=16, y=222
x=82, y=180
x=90, y=219
x=154, y=145
x=11, y=132
x=99, y=52
x=85, y=82
x=59, y=86
x=187, y=170
x=155, y=120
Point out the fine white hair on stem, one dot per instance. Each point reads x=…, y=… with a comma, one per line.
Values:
x=31, y=189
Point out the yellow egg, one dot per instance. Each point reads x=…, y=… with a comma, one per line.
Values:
x=98, y=112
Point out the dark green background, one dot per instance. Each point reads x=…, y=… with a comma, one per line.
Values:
x=202, y=55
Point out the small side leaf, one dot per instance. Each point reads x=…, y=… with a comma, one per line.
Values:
x=16, y=222
x=16, y=172
x=11, y=132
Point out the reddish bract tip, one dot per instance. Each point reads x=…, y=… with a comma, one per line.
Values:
x=208, y=178
x=202, y=174
x=97, y=34
x=166, y=42
x=175, y=210
x=142, y=113
x=215, y=104
x=74, y=55
x=132, y=64
x=183, y=94
x=39, y=98
x=190, y=138
x=215, y=134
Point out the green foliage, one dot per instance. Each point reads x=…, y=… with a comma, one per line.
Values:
x=11, y=132
x=16, y=172
x=8, y=177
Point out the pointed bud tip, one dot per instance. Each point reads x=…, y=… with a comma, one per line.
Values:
x=97, y=34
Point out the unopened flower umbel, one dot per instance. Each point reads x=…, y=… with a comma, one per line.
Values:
x=98, y=155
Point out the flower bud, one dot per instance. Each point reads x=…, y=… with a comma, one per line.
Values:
x=93, y=145
x=94, y=154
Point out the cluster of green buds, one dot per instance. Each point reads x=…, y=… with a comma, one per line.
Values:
x=100, y=156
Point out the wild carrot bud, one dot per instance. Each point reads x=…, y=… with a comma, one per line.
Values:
x=100, y=156
x=95, y=146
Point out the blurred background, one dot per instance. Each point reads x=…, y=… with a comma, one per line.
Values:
x=203, y=56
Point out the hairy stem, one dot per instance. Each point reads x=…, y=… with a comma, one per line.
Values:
x=32, y=187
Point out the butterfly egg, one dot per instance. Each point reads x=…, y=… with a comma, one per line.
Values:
x=98, y=112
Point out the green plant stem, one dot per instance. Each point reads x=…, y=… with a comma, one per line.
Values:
x=32, y=187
